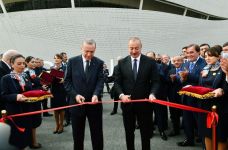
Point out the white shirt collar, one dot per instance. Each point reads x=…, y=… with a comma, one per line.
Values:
x=138, y=58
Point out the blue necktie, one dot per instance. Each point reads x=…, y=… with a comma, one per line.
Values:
x=191, y=66
x=177, y=70
x=135, y=69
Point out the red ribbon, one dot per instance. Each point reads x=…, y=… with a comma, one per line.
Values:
x=11, y=119
x=212, y=117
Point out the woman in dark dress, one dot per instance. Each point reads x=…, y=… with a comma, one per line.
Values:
x=12, y=86
x=59, y=95
x=36, y=119
x=212, y=76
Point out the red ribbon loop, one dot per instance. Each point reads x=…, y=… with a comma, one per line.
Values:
x=212, y=119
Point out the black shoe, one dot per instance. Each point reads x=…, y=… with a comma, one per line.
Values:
x=198, y=140
x=35, y=146
x=186, y=142
x=66, y=124
x=60, y=131
x=47, y=115
x=163, y=136
x=56, y=131
x=174, y=133
x=113, y=113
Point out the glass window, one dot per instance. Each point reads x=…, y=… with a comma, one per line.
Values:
x=108, y=3
x=22, y=5
x=163, y=7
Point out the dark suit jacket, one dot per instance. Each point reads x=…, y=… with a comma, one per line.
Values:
x=4, y=69
x=193, y=77
x=174, y=86
x=147, y=81
x=75, y=81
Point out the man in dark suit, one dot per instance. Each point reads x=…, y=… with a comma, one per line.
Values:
x=174, y=86
x=190, y=76
x=5, y=68
x=136, y=78
x=84, y=82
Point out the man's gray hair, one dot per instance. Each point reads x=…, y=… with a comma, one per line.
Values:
x=8, y=55
x=89, y=42
x=135, y=39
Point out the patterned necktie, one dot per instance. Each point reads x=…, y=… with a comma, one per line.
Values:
x=191, y=66
x=87, y=69
x=135, y=69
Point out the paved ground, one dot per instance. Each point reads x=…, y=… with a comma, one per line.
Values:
x=114, y=138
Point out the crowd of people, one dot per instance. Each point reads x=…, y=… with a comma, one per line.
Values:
x=136, y=76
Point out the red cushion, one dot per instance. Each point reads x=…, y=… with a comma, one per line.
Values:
x=36, y=93
x=197, y=89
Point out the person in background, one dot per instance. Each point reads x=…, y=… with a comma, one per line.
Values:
x=112, y=91
x=214, y=77
x=65, y=58
x=158, y=58
x=203, y=48
x=183, y=54
x=67, y=111
x=12, y=87
x=36, y=106
x=84, y=82
x=190, y=76
x=175, y=86
x=5, y=68
x=59, y=95
x=38, y=70
x=106, y=77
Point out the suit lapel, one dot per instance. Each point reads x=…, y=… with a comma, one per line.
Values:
x=129, y=68
x=91, y=68
x=141, y=62
x=81, y=68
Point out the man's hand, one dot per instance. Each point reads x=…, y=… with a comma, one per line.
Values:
x=21, y=98
x=94, y=99
x=152, y=97
x=125, y=98
x=79, y=99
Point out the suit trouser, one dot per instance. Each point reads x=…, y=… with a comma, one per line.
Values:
x=67, y=111
x=96, y=128
x=115, y=107
x=161, y=116
x=175, y=113
x=145, y=124
x=190, y=119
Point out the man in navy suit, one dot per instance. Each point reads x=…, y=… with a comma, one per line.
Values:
x=84, y=82
x=190, y=76
x=136, y=77
x=5, y=68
